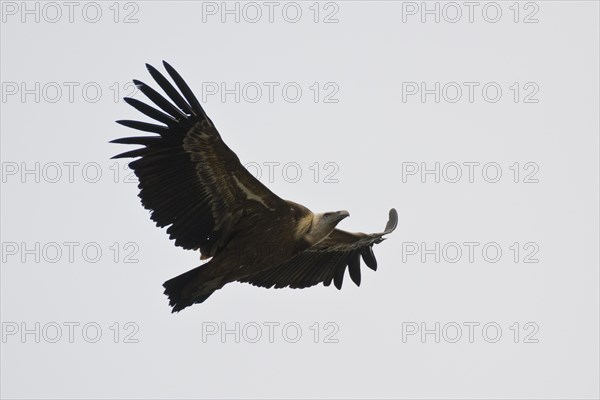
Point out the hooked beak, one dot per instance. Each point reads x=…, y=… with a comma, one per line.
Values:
x=342, y=214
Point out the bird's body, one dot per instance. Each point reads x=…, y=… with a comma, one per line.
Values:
x=193, y=183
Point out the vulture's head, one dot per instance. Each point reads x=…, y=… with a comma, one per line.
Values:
x=323, y=224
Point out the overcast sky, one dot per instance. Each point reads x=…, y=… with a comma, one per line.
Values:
x=480, y=128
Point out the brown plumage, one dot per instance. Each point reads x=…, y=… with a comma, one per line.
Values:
x=196, y=186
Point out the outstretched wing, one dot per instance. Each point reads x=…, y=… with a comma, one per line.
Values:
x=188, y=176
x=326, y=261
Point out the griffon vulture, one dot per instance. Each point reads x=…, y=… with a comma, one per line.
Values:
x=194, y=184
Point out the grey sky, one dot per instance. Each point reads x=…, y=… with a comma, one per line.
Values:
x=519, y=98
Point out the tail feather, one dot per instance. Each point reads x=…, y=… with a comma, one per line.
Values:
x=182, y=290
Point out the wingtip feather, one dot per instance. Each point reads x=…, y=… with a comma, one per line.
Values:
x=392, y=221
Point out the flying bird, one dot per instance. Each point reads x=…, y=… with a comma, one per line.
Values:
x=195, y=185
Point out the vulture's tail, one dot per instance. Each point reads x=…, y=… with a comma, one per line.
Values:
x=190, y=287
